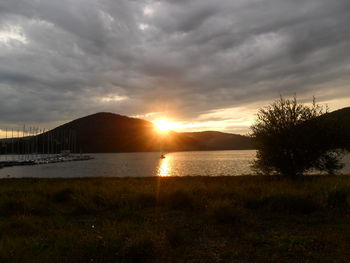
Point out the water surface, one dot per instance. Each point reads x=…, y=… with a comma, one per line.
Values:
x=207, y=163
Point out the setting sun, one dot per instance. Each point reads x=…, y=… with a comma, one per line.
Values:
x=164, y=125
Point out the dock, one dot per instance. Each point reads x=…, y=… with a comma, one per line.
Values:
x=45, y=160
x=35, y=146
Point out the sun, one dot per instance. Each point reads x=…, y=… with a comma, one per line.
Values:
x=164, y=126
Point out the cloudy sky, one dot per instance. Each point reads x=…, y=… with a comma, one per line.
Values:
x=202, y=63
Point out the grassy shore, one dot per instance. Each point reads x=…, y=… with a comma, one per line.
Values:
x=189, y=219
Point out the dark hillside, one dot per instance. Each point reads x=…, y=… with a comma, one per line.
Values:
x=342, y=119
x=213, y=140
x=108, y=132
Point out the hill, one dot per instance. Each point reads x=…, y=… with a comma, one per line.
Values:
x=100, y=132
x=328, y=131
x=342, y=119
x=109, y=132
x=213, y=140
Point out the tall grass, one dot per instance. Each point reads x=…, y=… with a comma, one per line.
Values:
x=189, y=219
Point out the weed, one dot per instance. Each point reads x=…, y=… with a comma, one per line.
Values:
x=339, y=199
x=284, y=203
x=63, y=196
x=178, y=200
x=142, y=249
x=223, y=213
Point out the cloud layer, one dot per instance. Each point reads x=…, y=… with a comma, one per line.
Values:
x=188, y=60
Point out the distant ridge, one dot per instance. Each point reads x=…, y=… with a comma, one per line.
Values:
x=342, y=118
x=214, y=140
x=109, y=132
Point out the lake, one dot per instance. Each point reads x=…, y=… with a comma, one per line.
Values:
x=207, y=163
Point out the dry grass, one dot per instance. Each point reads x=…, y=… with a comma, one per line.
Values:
x=189, y=219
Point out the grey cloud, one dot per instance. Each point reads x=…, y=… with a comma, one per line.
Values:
x=195, y=56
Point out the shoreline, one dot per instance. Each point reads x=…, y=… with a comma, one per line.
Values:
x=267, y=177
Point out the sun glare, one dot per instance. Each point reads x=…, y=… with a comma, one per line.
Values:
x=164, y=125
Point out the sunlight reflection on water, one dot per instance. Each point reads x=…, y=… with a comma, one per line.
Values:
x=164, y=168
x=210, y=163
x=207, y=163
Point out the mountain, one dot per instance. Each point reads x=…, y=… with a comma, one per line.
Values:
x=341, y=118
x=330, y=130
x=213, y=140
x=109, y=132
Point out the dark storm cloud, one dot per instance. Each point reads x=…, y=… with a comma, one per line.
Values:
x=69, y=58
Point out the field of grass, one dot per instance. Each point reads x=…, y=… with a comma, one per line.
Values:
x=189, y=219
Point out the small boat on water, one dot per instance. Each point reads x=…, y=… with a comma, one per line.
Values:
x=162, y=156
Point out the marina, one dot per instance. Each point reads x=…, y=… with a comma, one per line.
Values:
x=35, y=146
x=45, y=160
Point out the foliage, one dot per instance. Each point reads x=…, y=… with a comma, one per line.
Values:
x=292, y=138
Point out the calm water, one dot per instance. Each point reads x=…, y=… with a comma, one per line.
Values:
x=211, y=163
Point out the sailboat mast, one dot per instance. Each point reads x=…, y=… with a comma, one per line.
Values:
x=18, y=145
x=23, y=145
x=12, y=149
x=6, y=145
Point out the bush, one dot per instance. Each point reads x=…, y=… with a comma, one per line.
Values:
x=292, y=138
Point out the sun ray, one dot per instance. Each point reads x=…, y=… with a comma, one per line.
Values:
x=164, y=126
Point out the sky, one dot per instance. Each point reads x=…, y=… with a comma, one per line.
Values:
x=204, y=64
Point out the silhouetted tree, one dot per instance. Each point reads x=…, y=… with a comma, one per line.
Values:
x=292, y=138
